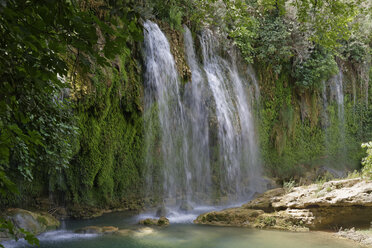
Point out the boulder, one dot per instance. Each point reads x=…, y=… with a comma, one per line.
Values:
x=230, y=217
x=33, y=222
x=162, y=221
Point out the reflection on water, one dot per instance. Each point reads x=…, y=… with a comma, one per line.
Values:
x=181, y=236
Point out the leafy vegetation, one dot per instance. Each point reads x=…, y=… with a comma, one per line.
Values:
x=367, y=161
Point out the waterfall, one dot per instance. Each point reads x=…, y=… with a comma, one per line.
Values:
x=335, y=121
x=236, y=134
x=162, y=95
x=338, y=94
x=200, y=136
x=195, y=92
x=337, y=91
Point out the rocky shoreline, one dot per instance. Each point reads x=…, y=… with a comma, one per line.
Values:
x=326, y=206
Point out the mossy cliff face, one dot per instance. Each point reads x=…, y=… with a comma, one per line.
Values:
x=300, y=130
x=107, y=166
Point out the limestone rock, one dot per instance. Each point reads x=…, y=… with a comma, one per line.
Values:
x=348, y=192
x=332, y=204
x=230, y=217
x=296, y=221
x=362, y=237
x=265, y=200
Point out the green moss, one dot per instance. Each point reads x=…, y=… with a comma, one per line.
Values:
x=294, y=137
x=42, y=220
x=107, y=166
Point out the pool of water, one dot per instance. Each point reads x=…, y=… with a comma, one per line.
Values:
x=179, y=235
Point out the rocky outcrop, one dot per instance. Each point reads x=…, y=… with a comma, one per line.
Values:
x=98, y=230
x=265, y=200
x=162, y=221
x=230, y=217
x=33, y=222
x=332, y=204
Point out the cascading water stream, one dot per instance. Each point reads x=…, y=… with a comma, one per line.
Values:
x=200, y=136
x=195, y=92
x=162, y=96
x=334, y=121
x=236, y=135
x=337, y=92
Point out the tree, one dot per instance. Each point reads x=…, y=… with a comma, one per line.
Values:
x=43, y=46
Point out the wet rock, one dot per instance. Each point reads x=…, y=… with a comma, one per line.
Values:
x=162, y=221
x=98, y=230
x=90, y=230
x=109, y=229
x=149, y=222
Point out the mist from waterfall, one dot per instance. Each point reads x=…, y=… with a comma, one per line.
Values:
x=200, y=136
x=334, y=122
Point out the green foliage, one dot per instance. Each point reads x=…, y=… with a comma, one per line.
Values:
x=367, y=161
x=318, y=67
x=45, y=46
x=108, y=164
x=329, y=21
x=273, y=43
x=289, y=185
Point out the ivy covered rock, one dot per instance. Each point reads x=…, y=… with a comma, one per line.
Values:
x=32, y=222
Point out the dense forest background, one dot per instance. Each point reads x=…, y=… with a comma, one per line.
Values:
x=71, y=105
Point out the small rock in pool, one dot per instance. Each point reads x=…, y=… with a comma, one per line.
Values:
x=98, y=230
x=162, y=221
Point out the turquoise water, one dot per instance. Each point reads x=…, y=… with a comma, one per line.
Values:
x=180, y=236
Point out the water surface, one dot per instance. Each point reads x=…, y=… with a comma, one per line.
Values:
x=181, y=235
